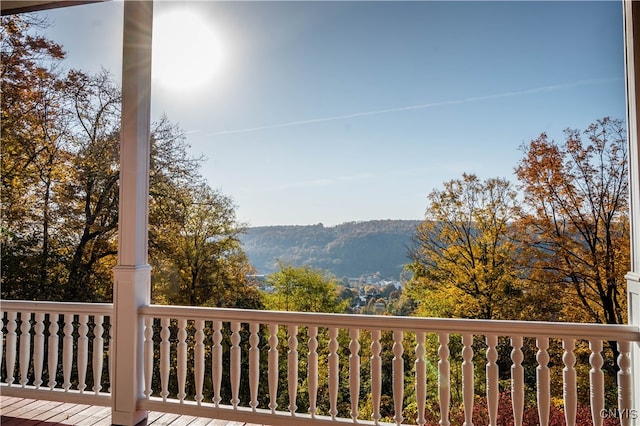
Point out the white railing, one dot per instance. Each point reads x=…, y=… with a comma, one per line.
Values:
x=262, y=362
x=41, y=342
x=302, y=368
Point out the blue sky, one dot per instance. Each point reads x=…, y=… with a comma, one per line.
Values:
x=342, y=111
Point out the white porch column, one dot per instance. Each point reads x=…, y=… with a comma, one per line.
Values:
x=632, y=53
x=132, y=275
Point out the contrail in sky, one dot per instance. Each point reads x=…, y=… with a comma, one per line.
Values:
x=419, y=106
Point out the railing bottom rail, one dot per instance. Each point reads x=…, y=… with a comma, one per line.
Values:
x=245, y=414
x=58, y=395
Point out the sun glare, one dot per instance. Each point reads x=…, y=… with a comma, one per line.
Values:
x=186, y=51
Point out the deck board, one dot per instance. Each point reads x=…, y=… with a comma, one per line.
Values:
x=162, y=419
x=198, y=421
x=182, y=421
x=40, y=412
x=62, y=413
x=29, y=412
x=15, y=404
x=91, y=416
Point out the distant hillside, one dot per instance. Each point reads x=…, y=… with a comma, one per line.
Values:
x=348, y=250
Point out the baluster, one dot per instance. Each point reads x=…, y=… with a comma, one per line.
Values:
x=467, y=378
x=38, y=349
x=25, y=346
x=216, y=370
x=625, y=384
x=198, y=355
x=83, y=352
x=11, y=346
x=398, y=376
x=313, y=370
x=110, y=359
x=235, y=364
x=517, y=380
x=444, y=381
x=421, y=378
x=334, y=372
x=1, y=332
x=354, y=372
x=98, y=352
x=254, y=364
x=165, y=360
x=148, y=355
x=67, y=351
x=52, y=350
x=569, y=389
x=492, y=378
x=273, y=367
x=182, y=359
x=292, y=368
x=596, y=376
x=543, y=392
x=376, y=374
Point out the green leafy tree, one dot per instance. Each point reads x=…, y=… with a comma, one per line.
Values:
x=304, y=289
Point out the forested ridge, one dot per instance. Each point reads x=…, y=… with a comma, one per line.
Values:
x=347, y=250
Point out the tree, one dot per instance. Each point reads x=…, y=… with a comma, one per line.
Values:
x=577, y=217
x=92, y=190
x=464, y=250
x=304, y=289
x=33, y=159
x=60, y=190
x=203, y=256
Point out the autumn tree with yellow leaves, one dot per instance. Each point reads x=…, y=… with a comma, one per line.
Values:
x=464, y=253
x=60, y=190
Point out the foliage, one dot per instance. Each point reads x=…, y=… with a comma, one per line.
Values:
x=206, y=265
x=464, y=250
x=33, y=160
x=577, y=218
x=91, y=192
x=60, y=191
x=304, y=289
x=505, y=414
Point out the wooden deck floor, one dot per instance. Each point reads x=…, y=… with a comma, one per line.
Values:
x=30, y=412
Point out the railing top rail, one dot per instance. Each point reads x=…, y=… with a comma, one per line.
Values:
x=447, y=325
x=57, y=307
